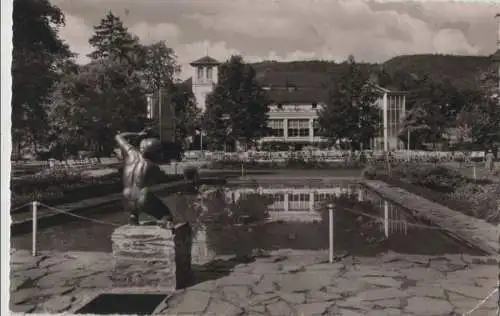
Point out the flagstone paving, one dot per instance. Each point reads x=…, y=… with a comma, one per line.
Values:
x=286, y=282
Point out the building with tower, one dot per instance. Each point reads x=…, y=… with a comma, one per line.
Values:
x=296, y=97
x=205, y=77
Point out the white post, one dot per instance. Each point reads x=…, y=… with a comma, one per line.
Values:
x=386, y=219
x=386, y=123
x=331, y=228
x=242, y=171
x=160, y=114
x=201, y=144
x=474, y=170
x=408, y=149
x=34, y=221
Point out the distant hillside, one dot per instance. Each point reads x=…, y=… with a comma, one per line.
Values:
x=302, y=73
x=460, y=70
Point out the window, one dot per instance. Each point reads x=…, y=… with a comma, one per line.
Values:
x=298, y=128
x=276, y=128
x=200, y=72
x=209, y=73
x=314, y=105
x=280, y=106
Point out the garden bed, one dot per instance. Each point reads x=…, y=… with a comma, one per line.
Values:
x=446, y=186
x=64, y=187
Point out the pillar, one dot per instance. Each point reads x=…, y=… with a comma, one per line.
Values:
x=386, y=219
x=285, y=202
x=386, y=123
x=311, y=201
x=311, y=130
x=285, y=129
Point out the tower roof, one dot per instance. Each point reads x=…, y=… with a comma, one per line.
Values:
x=205, y=61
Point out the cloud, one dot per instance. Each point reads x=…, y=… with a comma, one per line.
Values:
x=157, y=32
x=77, y=33
x=295, y=29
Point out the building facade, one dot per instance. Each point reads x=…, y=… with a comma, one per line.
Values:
x=296, y=99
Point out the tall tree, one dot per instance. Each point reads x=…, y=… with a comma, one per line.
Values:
x=96, y=102
x=351, y=113
x=484, y=114
x=237, y=108
x=433, y=109
x=159, y=65
x=187, y=115
x=38, y=54
x=112, y=39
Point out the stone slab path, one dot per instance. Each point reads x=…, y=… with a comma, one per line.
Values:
x=285, y=282
x=477, y=231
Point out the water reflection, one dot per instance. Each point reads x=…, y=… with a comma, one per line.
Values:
x=276, y=216
x=291, y=203
x=364, y=223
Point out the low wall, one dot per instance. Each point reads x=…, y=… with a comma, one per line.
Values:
x=476, y=232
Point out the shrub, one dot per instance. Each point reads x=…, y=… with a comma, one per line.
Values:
x=482, y=200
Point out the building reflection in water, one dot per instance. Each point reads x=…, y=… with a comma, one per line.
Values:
x=301, y=203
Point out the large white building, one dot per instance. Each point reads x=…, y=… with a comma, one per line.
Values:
x=296, y=97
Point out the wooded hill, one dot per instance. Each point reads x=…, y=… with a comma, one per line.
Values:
x=461, y=71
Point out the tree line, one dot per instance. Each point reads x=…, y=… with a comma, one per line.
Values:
x=61, y=107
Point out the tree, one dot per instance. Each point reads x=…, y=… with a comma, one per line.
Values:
x=112, y=40
x=237, y=108
x=38, y=54
x=187, y=115
x=90, y=106
x=433, y=109
x=484, y=113
x=350, y=114
x=160, y=65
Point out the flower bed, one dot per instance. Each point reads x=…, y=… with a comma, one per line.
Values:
x=64, y=187
x=444, y=185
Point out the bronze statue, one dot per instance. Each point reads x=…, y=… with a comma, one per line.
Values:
x=140, y=172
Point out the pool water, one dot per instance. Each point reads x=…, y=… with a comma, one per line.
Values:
x=285, y=216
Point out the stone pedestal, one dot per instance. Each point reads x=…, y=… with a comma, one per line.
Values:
x=152, y=256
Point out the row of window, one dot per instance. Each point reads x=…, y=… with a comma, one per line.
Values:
x=209, y=73
x=295, y=128
x=301, y=197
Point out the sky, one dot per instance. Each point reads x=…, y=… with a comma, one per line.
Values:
x=286, y=30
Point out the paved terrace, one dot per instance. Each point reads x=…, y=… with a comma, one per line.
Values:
x=282, y=283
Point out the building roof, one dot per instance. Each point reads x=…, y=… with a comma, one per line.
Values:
x=205, y=61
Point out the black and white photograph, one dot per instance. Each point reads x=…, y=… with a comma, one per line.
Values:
x=250, y=157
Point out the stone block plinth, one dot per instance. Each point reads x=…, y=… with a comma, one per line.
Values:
x=148, y=255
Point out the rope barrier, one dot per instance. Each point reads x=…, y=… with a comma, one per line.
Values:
x=77, y=216
x=20, y=207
